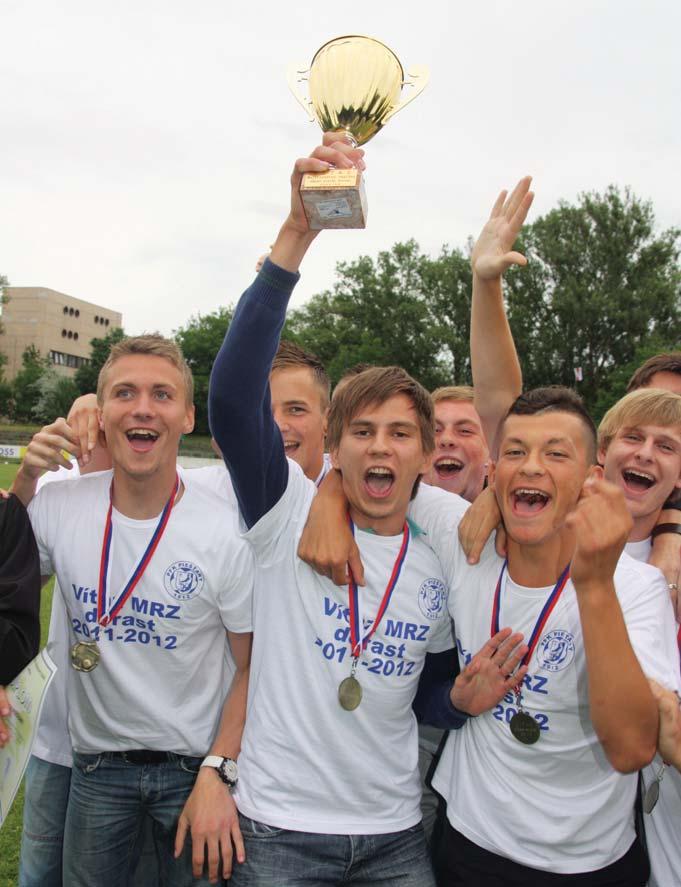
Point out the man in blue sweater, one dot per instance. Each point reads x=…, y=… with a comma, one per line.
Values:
x=328, y=788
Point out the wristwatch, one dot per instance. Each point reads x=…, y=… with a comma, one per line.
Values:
x=226, y=767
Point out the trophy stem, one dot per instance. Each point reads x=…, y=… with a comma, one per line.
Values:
x=347, y=136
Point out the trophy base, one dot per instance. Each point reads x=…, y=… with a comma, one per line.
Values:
x=334, y=199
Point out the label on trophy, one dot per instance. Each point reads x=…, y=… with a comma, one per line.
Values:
x=328, y=209
x=332, y=178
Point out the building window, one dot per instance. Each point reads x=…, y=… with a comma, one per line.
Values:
x=75, y=335
x=66, y=310
x=67, y=360
x=71, y=311
x=70, y=334
x=107, y=321
x=96, y=318
x=77, y=312
x=63, y=332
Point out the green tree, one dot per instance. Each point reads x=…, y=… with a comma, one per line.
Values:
x=54, y=395
x=601, y=287
x=200, y=340
x=24, y=391
x=394, y=310
x=86, y=375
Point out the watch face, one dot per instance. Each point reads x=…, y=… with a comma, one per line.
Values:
x=228, y=771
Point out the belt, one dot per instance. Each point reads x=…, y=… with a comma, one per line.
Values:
x=142, y=756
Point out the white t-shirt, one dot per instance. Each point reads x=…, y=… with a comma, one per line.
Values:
x=663, y=825
x=162, y=678
x=52, y=741
x=557, y=805
x=306, y=764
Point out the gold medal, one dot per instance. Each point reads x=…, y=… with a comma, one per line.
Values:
x=85, y=656
x=350, y=693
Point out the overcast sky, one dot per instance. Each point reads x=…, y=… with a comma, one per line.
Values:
x=146, y=146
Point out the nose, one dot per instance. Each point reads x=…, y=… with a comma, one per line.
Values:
x=380, y=442
x=445, y=438
x=144, y=405
x=646, y=450
x=532, y=466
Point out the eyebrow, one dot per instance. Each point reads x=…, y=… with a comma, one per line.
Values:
x=134, y=385
x=549, y=443
x=366, y=423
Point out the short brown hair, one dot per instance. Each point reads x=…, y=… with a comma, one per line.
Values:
x=376, y=386
x=454, y=392
x=152, y=344
x=556, y=399
x=667, y=362
x=647, y=406
x=350, y=373
x=290, y=356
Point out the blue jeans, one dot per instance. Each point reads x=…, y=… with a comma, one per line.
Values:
x=277, y=857
x=104, y=830
x=46, y=798
x=45, y=801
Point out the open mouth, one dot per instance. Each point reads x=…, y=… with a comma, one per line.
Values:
x=529, y=501
x=379, y=482
x=637, y=481
x=142, y=439
x=448, y=467
x=291, y=447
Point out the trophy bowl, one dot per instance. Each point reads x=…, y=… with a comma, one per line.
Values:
x=355, y=86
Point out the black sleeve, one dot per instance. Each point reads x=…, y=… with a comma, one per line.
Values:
x=19, y=590
x=432, y=704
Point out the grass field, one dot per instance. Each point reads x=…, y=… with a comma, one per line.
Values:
x=10, y=833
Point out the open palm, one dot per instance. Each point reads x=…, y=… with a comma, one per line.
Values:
x=492, y=253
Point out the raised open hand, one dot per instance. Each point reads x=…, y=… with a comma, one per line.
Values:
x=492, y=254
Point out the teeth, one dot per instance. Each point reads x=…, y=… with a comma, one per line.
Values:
x=381, y=471
x=454, y=462
x=531, y=495
x=142, y=432
x=640, y=474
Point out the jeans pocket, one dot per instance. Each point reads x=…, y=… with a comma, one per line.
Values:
x=190, y=764
x=86, y=763
x=252, y=828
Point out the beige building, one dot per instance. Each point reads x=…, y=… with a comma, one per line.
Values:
x=59, y=326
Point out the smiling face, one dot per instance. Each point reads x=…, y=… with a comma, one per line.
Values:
x=298, y=411
x=543, y=462
x=380, y=456
x=144, y=413
x=645, y=462
x=461, y=454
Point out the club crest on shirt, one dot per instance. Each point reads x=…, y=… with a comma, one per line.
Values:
x=183, y=580
x=556, y=650
x=432, y=598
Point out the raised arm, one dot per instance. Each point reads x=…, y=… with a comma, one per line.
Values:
x=239, y=397
x=497, y=378
x=623, y=711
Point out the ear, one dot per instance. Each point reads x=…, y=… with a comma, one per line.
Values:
x=333, y=455
x=491, y=474
x=325, y=422
x=100, y=419
x=188, y=425
x=600, y=455
x=596, y=472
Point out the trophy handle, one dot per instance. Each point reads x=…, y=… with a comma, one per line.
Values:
x=294, y=75
x=417, y=77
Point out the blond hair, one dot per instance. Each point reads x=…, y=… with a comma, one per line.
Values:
x=645, y=406
x=454, y=392
x=154, y=345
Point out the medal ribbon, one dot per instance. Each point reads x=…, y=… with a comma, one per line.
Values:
x=546, y=611
x=105, y=618
x=358, y=643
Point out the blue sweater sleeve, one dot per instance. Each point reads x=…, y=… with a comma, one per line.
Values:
x=432, y=704
x=239, y=406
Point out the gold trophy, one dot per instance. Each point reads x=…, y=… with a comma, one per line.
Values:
x=354, y=86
